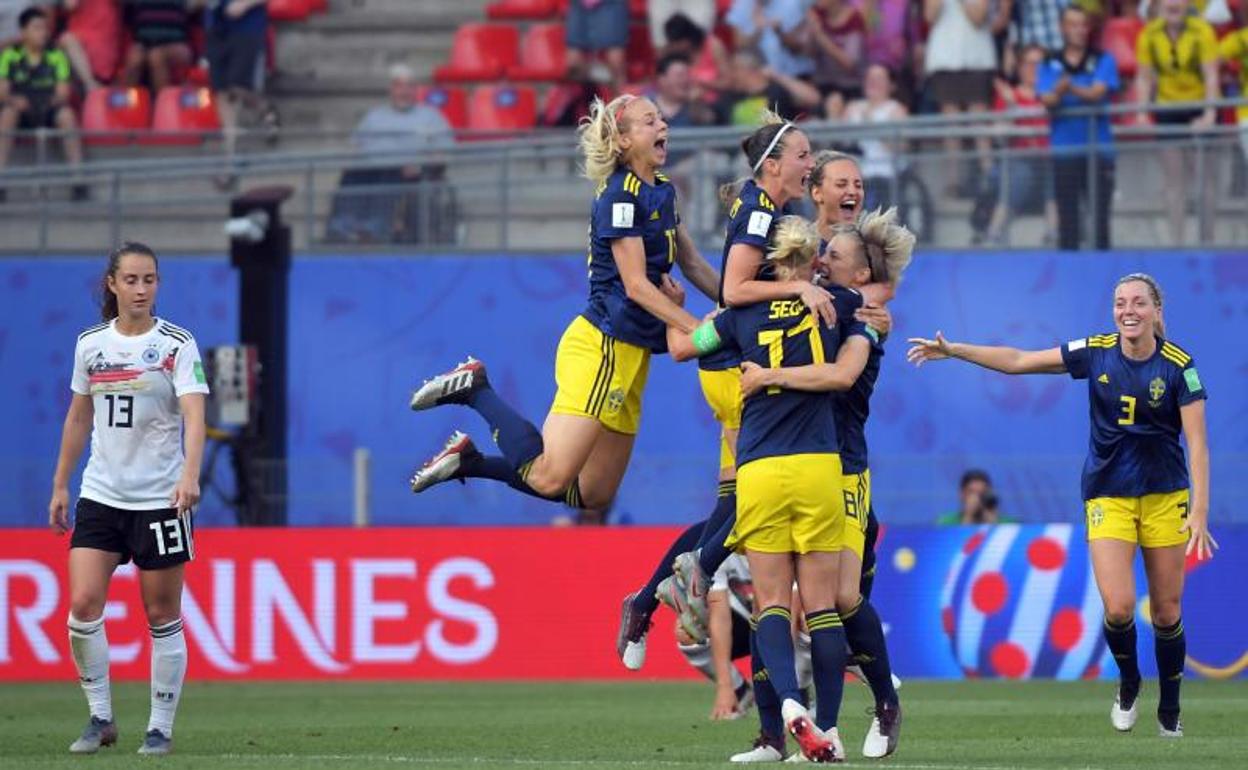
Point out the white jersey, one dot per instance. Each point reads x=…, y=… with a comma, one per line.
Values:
x=735, y=569
x=134, y=384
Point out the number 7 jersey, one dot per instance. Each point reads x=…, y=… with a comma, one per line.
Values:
x=1134, y=409
x=134, y=384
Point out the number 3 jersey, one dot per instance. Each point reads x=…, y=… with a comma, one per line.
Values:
x=1134, y=405
x=134, y=384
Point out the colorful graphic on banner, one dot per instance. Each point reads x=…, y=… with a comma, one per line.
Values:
x=1011, y=601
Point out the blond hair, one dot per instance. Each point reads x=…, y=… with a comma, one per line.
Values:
x=599, y=136
x=1154, y=291
x=823, y=159
x=754, y=147
x=885, y=245
x=794, y=245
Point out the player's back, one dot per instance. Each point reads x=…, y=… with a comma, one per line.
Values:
x=778, y=421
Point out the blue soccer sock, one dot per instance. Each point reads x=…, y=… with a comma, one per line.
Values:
x=865, y=635
x=827, y=653
x=1170, y=645
x=765, y=698
x=645, y=602
x=867, y=581
x=479, y=466
x=775, y=644
x=1121, y=640
x=712, y=551
x=517, y=438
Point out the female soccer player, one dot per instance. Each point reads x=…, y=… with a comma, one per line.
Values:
x=789, y=480
x=138, y=388
x=836, y=188
x=875, y=251
x=583, y=449
x=1143, y=390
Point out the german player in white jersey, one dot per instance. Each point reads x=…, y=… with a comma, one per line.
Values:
x=138, y=392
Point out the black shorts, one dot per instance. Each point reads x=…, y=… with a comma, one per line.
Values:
x=38, y=116
x=154, y=539
x=236, y=61
x=1176, y=118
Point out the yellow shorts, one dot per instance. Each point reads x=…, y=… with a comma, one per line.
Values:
x=790, y=504
x=857, y=493
x=1153, y=521
x=600, y=377
x=722, y=390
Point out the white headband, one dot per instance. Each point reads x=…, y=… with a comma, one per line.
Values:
x=759, y=164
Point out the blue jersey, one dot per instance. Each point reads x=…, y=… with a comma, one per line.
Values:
x=853, y=406
x=776, y=421
x=751, y=220
x=626, y=207
x=1134, y=406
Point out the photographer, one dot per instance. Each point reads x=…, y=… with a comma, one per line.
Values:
x=979, y=503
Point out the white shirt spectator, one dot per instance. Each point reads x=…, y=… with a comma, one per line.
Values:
x=418, y=128
x=954, y=43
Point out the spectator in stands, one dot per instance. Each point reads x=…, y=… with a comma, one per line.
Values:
x=978, y=502
x=1178, y=62
x=673, y=94
x=756, y=87
x=961, y=61
x=878, y=162
x=1040, y=23
x=235, y=34
x=34, y=91
x=892, y=33
x=1079, y=76
x=660, y=12
x=708, y=58
x=1234, y=50
x=597, y=26
x=90, y=40
x=1021, y=183
x=838, y=41
x=776, y=29
x=160, y=44
x=397, y=138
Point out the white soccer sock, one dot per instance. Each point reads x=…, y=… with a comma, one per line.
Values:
x=89, y=647
x=699, y=656
x=168, y=671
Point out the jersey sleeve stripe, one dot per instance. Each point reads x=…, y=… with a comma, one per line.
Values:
x=179, y=336
x=1176, y=352
x=1179, y=362
x=176, y=328
x=93, y=330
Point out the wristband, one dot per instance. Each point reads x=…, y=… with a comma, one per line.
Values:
x=705, y=338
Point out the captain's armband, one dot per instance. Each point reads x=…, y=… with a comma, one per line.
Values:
x=706, y=338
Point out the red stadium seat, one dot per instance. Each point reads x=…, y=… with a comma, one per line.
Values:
x=1119, y=41
x=318, y=6
x=451, y=101
x=640, y=54
x=480, y=52
x=121, y=112
x=510, y=10
x=183, y=115
x=289, y=10
x=503, y=108
x=541, y=54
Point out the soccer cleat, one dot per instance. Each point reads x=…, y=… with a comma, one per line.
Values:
x=97, y=733
x=445, y=465
x=815, y=744
x=453, y=387
x=690, y=570
x=765, y=749
x=884, y=732
x=1169, y=725
x=671, y=591
x=630, y=642
x=156, y=742
x=1123, y=719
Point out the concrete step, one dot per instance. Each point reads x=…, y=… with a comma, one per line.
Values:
x=361, y=55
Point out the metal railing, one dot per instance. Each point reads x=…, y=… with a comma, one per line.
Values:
x=524, y=194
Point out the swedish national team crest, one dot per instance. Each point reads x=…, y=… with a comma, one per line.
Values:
x=615, y=400
x=1096, y=515
x=1156, y=389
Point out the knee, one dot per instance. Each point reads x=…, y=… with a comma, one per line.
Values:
x=1119, y=613
x=162, y=610
x=1166, y=613
x=596, y=500
x=86, y=606
x=847, y=599
x=547, y=481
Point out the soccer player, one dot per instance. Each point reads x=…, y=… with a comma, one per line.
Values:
x=1143, y=390
x=790, y=508
x=780, y=158
x=836, y=188
x=730, y=605
x=583, y=449
x=138, y=392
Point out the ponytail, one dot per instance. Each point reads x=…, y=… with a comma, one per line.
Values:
x=766, y=142
x=600, y=137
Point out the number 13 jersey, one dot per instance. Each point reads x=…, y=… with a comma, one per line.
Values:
x=134, y=384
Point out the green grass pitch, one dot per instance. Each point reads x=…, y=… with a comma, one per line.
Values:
x=948, y=726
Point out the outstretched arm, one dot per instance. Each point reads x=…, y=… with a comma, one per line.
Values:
x=997, y=358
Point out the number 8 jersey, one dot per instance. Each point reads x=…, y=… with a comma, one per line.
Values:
x=134, y=384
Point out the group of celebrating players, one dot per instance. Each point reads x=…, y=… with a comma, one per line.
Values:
x=788, y=363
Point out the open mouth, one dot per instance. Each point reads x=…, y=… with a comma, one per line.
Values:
x=1130, y=323
x=661, y=144
x=849, y=204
